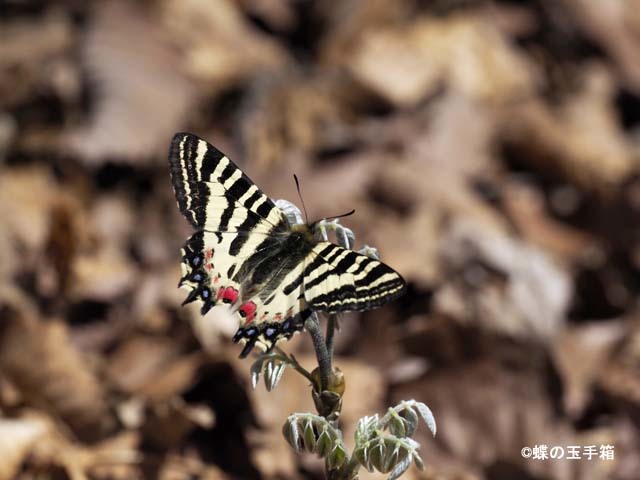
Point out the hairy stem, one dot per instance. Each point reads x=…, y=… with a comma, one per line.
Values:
x=291, y=360
x=332, y=322
x=348, y=471
x=322, y=354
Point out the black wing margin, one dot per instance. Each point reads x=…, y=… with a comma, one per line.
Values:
x=200, y=171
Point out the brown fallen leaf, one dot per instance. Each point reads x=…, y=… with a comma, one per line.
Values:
x=24, y=217
x=525, y=206
x=500, y=283
x=125, y=52
x=487, y=413
x=17, y=438
x=153, y=368
x=407, y=64
x=581, y=354
x=223, y=48
x=614, y=25
x=39, y=359
x=27, y=48
x=580, y=141
x=290, y=116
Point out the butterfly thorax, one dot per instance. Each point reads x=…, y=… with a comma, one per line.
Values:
x=269, y=269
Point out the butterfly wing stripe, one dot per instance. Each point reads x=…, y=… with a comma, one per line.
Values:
x=339, y=269
x=346, y=280
x=248, y=225
x=193, y=162
x=227, y=172
x=252, y=198
x=313, y=264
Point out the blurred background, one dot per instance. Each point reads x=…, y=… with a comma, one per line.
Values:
x=489, y=147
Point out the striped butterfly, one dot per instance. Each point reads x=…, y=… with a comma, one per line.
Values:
x=246, y=254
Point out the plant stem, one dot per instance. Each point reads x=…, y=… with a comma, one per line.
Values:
x=348, y=471
x=291, y=360
x=332, y=322
x=322, y=354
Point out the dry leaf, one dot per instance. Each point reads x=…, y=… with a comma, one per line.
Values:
x=581, y=354
x=405, y=65
x=51, y=374
x=17, y=437
x=581, y=141
x=138, y=78
x=28, y=48
x=219, y=46
x=501, y=284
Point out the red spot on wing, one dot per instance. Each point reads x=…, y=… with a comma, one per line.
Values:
x=230, y=295
x=220, y=291
x=248, y=311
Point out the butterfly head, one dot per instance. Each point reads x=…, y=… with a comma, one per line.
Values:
x=306, y=230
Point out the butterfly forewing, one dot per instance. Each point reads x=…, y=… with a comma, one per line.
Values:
x=245, y=254
x=202, y=176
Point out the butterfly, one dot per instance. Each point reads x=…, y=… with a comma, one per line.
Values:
x=245, y=253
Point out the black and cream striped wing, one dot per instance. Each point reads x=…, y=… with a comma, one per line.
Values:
x=213, y=193
x=338, y=280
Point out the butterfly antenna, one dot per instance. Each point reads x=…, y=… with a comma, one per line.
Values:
x=304, y=208
x=341, y=216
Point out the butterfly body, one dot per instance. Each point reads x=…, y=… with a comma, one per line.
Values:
x=245, y=254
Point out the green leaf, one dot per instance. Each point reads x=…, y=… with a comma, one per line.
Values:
x=256, y=369
x=324, y=444
x=377, y=454
x=337, y=456
x=309, y=437
x=400, y=468
x=397, y=424
x=410, y=418
x=393, y=454
x=274, y=374
x=427, y=416
x=292, y=433
x=359, y=454
x=366, y=429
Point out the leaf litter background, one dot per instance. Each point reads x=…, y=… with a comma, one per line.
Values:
x=490, y=149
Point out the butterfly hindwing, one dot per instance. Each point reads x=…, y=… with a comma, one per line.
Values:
x=338, y=280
